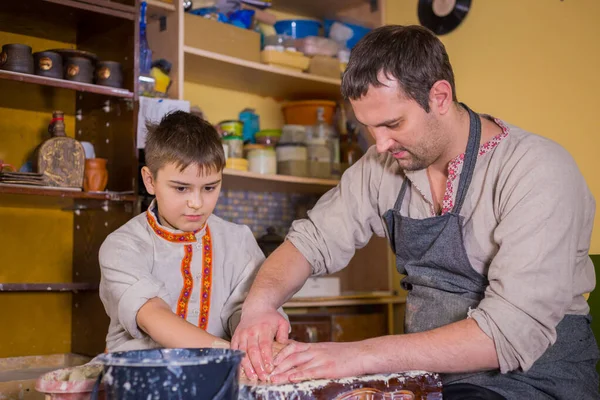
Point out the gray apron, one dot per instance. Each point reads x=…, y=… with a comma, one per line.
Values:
x=443, y=285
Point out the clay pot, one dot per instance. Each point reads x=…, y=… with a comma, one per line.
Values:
x=109, y=73
x=49, y=64
x=96, y=175
x=79, y=69
x=16, y=58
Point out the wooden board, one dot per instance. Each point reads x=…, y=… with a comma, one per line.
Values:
x=227, y=72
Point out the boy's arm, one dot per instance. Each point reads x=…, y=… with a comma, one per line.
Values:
x=138, y=301
x=169, y=330
x=244, y=270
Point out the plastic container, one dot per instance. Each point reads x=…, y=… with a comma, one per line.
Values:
x=262, y=161
x=279, y=43
x=305, y=112
x=358, y=32
x=317, y=46
x=240, y=164
x=235, y=146
x=171, y=374
x=293, y=134
x=252, y=146
x=232, y=127
x=291, y=152
x=298, y=28
x=268, y=137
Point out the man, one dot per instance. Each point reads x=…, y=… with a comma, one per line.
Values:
x=491, y=225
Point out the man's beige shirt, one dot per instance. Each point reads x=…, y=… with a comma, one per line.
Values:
x=528, y=217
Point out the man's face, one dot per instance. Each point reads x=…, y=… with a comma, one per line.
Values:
x=185, y=198
x=400, y=125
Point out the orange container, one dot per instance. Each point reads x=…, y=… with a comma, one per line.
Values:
x=305, y=112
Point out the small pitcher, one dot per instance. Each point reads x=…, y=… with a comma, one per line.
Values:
x=96, y=175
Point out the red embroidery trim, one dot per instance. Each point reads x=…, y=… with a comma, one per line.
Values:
x=453, y=166
x=206, y=280
x=188, y=282
x=185, y=237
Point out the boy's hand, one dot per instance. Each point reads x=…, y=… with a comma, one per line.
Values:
x=255, y=335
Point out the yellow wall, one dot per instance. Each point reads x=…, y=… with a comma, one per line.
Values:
x=534, y=63
x=35, y=244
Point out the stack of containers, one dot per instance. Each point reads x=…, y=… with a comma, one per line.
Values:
x=298, y=152
x=233, y=144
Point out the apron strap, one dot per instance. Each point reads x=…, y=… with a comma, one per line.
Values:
x=400, y=197
x=471, y=154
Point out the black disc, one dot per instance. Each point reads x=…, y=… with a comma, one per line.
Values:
x=445, y=21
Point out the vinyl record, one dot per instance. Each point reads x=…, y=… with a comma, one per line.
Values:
x=443, y=16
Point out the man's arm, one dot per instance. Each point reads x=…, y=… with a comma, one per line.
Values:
x=171, y=331
x=282, y=275
x=458, y=347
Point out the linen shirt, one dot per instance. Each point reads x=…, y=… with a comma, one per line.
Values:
x=528, y=217
x=143, y=259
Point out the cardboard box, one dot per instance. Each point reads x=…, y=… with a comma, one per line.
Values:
x=221, y=38
x=320, y=287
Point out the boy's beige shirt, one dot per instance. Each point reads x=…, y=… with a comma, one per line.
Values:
x=138, y=265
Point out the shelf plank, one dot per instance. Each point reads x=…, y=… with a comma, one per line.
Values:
x=48, y=287
x=24, y=196
x=342, y=301
x=210, y=68
x=64, y=84
x=246, y=180
x=159, y=8
x=106, y=7
x=356, y=11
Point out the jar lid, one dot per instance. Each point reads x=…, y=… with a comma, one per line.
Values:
x=271, y=237
x=291, y=144
x=257, y=152
x=232, y=137
x=268, y=132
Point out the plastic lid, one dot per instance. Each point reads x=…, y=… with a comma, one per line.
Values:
x=232, y=137
x=268, y=132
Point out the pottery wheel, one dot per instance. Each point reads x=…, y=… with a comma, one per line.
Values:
x=413, y=385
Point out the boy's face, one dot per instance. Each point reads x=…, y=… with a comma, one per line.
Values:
x=185, y=198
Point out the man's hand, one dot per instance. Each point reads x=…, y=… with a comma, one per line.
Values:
x=255, y=335
x=304, y=361
x=244, y=380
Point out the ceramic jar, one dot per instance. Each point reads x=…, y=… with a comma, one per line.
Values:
x=48, y=64
x=109, y=73
x=16, y=58
x=79, y=69
x=96, y=175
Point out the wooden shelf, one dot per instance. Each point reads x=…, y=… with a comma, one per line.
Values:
x=358, y=11
x=30, y=196
x=64, y=84
x=48, y=287
x=106, y=7
x=245, y=180
x=159, y=8
x=206, y=67
x=338, y=301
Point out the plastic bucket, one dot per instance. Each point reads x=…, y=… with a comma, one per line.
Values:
x=171, y=374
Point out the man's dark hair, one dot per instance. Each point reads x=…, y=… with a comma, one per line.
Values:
x=413, y=55
x=184, y=139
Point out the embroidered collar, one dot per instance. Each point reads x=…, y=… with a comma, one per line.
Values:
x=169, y=235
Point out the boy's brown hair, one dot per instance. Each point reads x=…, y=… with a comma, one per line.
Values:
x=184, y=139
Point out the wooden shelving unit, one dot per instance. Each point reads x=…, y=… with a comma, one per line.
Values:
x=159, y=8
x=227, y=72
x=57, y=271
x=245, y=180
x=48, y=287
x=64, y=84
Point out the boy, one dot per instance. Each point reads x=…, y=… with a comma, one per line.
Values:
x=176, y=276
